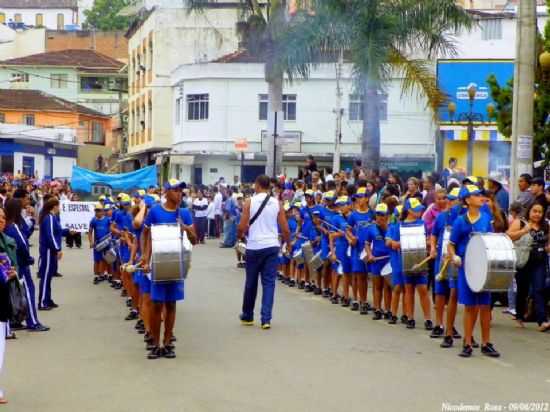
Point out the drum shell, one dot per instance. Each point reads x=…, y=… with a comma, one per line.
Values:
x=316, y=262
x=490, y=263
x=103, y=243
x=307, y=251
x=171, y=253
x=109, y=256
x=413, y=249
x=241, y=248
x=298, y=257
x=452, y=270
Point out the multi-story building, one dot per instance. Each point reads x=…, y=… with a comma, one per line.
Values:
x=45, y=134
x=162, y=39
x=223, y=104
x=52, y=14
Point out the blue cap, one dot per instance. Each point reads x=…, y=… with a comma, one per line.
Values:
x=174, y=184
x=469, y=190
x=414, y=205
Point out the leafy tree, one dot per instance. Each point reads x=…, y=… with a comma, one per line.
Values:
x=503, y=97
x=380, y=36
x=104, y=15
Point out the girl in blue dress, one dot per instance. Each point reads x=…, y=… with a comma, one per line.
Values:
x=341, y=262
x=475, y=304
x=328, y=211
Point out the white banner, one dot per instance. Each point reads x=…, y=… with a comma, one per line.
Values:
x=76, y=215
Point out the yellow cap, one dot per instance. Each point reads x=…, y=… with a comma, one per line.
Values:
x=102, y=197
x=329, y=195
x=342, y=200
x=454, y=194
x=124, y=198
x=98, y=206
x=381, y=209
x=309, y=192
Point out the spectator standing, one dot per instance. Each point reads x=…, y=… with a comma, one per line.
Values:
x=537, y=190
x=200, y=209
x=211, y=216
x=229, y=226
x=525, y=197
x=218, y=211
x=428, y=192
x=496, y=185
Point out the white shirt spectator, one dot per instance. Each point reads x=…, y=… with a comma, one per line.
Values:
x=218, y=201
x=210, y=211
x=200, y=206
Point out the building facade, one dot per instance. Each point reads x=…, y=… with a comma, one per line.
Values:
x=52, y=14
x=216, y=105
x=164, y=38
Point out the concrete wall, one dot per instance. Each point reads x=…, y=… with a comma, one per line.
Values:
x=49, y=16
x=38, y=162
x=63, y=166
x=39, y=79
x=26, y=43
x=112, y=44
x=88, y=153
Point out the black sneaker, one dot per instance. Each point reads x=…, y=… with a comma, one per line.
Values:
x=147, y=338
x=39, y=328
x=173, y=339
x=387, y=315
x=308, y=289
x=117, y=285
x=17, y=326
x=53, y=305
x=428, y=325
x=456, y=335
x=326, y=293
x=334, y=300
x=393, y=320
x=317, y=291
x=355, y=306
x=369, y=307
x=139, y=324
x=129, y=302
x=291, y=283
x=123, y=293
x=377, y=315
x=364, y=309
x=411, y=324
x=301, y=285
x=447, y=342
x=149, y=346
x=404, y=319
x=97, y=280
x=168, y=352
x=437, y=332
x=489, y=350
x=475, y=345
x=345, y=303
x=155, y=353
x=466, y=351
x=133, y=315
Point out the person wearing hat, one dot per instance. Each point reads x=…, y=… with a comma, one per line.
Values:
x=378, y=256
x=309, y=231
x=285, y=260
x=99, y=229
x=444, y=289
x=328, y=212
x=475, y=303
x=359, y=220
x=412, y=216
x=164, y=295
x=496, y=185
x=338, y=243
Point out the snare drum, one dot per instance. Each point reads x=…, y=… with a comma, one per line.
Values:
x=316, y=262
x=298, y=257
x=109, y=256
x=103, y=243
x=171, y=253
x=307, y=251
x=451, y=271
x=241, y=248
x=413, y=249
x=490, y=262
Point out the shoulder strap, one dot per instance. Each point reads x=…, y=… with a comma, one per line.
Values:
x=260, y=210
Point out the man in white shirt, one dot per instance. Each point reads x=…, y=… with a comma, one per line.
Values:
x=218, y=211
x=200, y=206
x=262, y=249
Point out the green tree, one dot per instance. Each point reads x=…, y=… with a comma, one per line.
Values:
x=104, y=15
x=389, y=38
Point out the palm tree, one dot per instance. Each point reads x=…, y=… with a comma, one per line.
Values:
x=273, y=32
x=389, y=38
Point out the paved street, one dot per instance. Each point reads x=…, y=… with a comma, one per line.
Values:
x=317, y=357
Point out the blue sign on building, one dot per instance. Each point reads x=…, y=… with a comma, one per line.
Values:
x=455, y=76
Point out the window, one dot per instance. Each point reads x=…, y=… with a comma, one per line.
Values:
x=94, y=83
x=150, y=60
x=197, y=106
x=149, y=115
x=39, y=20
x=356, y=107
x=28, y=119
x=289, y=106
x=491, y=29
x=178, y=110
x=2, y=117
x=19, y=78
x=58, y=81
x=2, y=18
x=98, y=134
x=17, y=18
x=60, y=21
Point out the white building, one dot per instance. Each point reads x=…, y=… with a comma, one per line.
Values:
x=215, y=104
x=52, y=14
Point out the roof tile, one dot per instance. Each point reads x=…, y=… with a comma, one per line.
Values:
x=39, y=4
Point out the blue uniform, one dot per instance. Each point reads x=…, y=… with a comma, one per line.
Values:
x=49, y=245
x=123, y=221
x=443, y=220
x=359, y=222
x=292, y=227
x=376, y=237
x=460, y=235
x=100, y=228
x=24, y=262
x=326, y=216
x=398, y=277
x=341, y=245
x=167, y=291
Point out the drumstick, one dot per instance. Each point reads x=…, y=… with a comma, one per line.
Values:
x=442, y=275
x=420, y=264
x=380, y=258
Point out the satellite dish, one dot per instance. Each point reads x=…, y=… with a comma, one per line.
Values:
x=7, y=35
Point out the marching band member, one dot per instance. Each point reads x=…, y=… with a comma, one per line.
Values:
x=165, y=295
x=378, y=256
x=50, y=251
x=309, y=231
x=398, y=282
x=328, y=212
x=445, y=289
x=99, y=229
x=359, y=220
x=338, y=243
x=474, y=303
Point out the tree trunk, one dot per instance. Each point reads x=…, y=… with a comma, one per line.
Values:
x=274, y=79
x=370, y=143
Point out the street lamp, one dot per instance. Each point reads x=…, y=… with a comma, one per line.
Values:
x=470, y=117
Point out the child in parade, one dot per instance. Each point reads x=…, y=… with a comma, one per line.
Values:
x=338, y=244
x=100, y=230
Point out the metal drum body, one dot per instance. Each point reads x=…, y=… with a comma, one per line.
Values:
x=307, y=251
x=103, y=243
x=316, y=262
x=298, y=257
x=241, y=248
x=452, y=270
x=413, y=249
x=171, y=253
x=490, y=262
x=109, y=256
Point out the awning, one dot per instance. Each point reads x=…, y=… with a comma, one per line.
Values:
x=460, y=133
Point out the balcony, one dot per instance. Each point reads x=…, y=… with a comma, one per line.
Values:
x=41, y=133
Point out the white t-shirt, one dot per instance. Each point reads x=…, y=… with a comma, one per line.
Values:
x=210, y=211
x=264, y=232
x=203, y=204
x=218, y=200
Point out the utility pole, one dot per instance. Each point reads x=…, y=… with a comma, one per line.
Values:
x=339, y=113
x=524, y=86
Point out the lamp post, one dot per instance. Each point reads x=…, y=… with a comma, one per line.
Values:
x=469, y=117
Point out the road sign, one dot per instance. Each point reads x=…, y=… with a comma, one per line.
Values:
x=241, y=145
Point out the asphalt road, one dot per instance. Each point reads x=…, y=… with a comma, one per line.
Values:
x=317, y=357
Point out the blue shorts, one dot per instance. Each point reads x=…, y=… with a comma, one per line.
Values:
x=124, y=254
x=444, y=287
x=397, y=278
x=377, y=266
x=416, y=280
x=144, y=284
x=136, y=276
x=167, y=291
x=98, y=256
x=345, y=261
x=468, y=297
x=359, y=267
